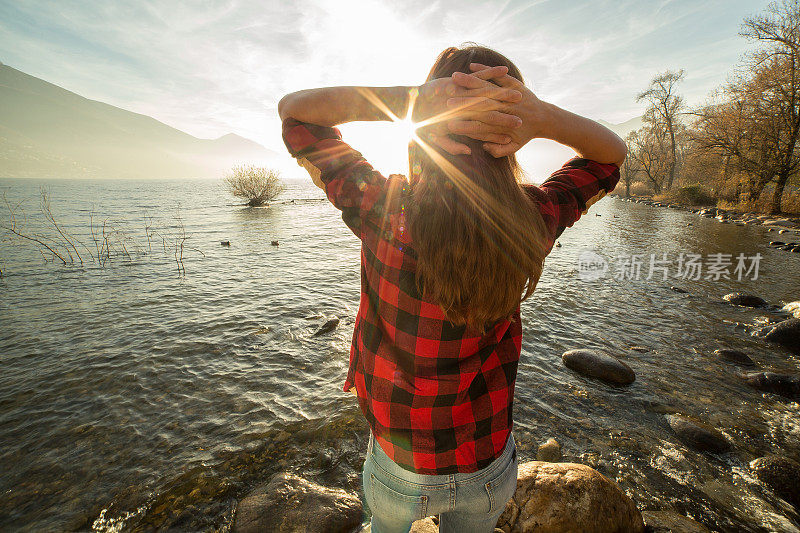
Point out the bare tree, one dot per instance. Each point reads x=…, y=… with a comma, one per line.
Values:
x=630, y=168
x=777, y=68
x=663, y=110
x=646, y=149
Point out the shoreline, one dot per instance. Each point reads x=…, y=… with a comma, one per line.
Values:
x=793, y=220
x=782, y=224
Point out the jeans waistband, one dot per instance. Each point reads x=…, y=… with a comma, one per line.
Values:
x=386, y=462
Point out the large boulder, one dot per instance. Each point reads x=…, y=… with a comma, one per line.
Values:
x=745, y=300
x=786, y=333
x=292, y=504
x=781, y=475
x=568, y=497
x=698, y=435
x=598, y=365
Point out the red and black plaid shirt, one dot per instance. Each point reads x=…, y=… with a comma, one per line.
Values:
x=438, y=400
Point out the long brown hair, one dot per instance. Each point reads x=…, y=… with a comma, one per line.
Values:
x=480, y=241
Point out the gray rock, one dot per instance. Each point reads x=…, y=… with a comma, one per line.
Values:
x=327, y=327
x=785, y=333
x=549, y=452
x=745, y=300
x=292, y=504
x=781, y=475
x=598, y=365
x=734, y=356
x=785, y=385
x=698, y=435
x=568, y=497
x=671, y=522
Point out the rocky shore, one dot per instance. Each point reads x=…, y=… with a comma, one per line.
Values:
x=551, y=496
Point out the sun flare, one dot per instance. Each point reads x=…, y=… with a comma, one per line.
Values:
x=406, y=129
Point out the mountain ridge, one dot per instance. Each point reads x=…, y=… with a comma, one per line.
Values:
x=623, y=128
x=49, y=131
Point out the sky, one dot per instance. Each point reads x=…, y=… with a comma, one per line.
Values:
x=218, y=66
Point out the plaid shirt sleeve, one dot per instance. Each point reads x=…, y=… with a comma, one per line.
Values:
x=350, y=183
x=571, y=190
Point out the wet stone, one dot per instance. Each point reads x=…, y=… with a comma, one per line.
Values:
x=734, y=356
x=786, y=385
x=598, y=365
x=744, y=300
x=781, y=475
x=327, y=327
x=698, y=435
x=549, y=452
x=671, y=521
x=291, y=503
x=785, y=333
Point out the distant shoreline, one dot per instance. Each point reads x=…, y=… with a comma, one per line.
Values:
x=782, y=221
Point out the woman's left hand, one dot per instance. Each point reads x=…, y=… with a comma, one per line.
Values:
x=435, y=119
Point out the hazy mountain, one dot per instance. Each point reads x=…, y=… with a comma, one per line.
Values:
x=623, y=128
x=47, y=131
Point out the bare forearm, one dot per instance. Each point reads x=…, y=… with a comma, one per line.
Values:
x=330, y=106
x=588, y=138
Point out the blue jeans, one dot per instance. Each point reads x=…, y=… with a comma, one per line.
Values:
x=465, y=503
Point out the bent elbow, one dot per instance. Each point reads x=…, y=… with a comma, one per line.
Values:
x=623, y=153
x=283, y=106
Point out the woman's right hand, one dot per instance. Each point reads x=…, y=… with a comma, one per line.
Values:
x=589, y=139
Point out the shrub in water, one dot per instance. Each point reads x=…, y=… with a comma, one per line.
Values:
x=257, y=185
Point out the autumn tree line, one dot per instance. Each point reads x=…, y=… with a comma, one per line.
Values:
x=740, y=148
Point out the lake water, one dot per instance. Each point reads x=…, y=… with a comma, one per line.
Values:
x=134, y=397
